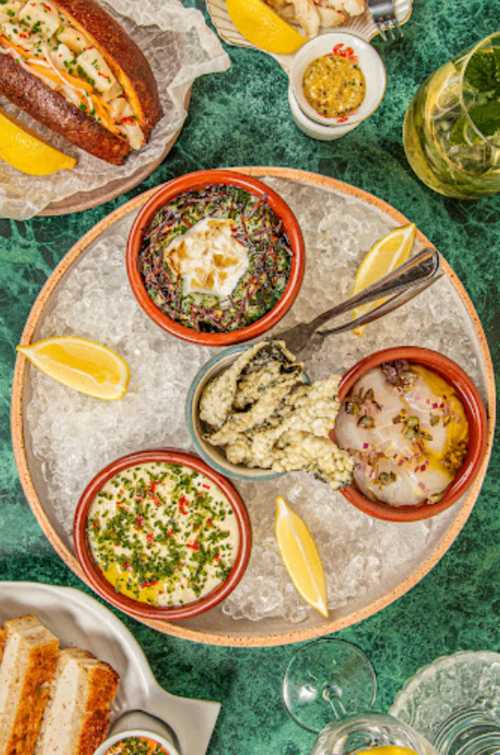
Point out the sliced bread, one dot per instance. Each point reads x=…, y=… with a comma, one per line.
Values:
x=76, y=720
x=28, y=666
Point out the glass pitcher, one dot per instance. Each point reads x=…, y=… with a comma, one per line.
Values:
x=451, y=130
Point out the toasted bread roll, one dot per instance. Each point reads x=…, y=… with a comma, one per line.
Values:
x=71, y=66
x=27, y=669
x=76, y=720
x=51, y=109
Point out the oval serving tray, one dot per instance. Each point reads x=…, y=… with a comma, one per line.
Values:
x=80, y=621
x=330, y=198
x=364, y=26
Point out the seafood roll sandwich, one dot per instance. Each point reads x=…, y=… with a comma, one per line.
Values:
x=72, y=67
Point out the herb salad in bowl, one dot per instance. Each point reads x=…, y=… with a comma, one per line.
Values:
x=215, y=257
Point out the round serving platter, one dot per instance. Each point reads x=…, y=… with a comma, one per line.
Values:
x=315, y=199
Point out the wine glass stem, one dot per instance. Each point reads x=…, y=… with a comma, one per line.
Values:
x=331, y=695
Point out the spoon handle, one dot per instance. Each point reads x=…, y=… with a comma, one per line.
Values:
x=423, y=267
x=394, y=302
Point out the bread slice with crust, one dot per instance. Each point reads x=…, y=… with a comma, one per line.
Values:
x=76, y=720
x=26, y=672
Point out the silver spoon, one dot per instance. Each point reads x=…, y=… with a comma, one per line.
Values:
x=402, y=285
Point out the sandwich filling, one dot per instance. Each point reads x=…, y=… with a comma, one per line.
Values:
x=55, y=49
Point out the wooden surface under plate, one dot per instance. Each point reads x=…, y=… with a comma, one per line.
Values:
x=31, y=478
x=86, y=200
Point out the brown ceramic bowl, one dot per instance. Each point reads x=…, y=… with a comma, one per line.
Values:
x=476, y=417
x=199, y=180
x=134, y=607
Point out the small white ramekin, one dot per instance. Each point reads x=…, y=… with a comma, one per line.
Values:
x=110, y=741
x=369, y=61
x=311, y=128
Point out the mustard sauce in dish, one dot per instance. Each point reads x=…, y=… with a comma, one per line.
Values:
x=334, y=84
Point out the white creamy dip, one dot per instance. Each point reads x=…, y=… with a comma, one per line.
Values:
x=163, y=534
x=208, y=258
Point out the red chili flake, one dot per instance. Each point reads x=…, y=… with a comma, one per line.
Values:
x=365, y=445
x=150, y=537
x=127, y=120
x=342, y=119
x=441, y=405
x=344, y=52
x=209, y=522
x=24, y=35
x=193, y=546
x=217, y=557
x=126, y=566
x=156, y=500
x=204, y=485
x=153, y=487
x=139, y=521
x=170, y=532
x=151, y=583
x=47, y=7
x=183, y=505
x=434, y=405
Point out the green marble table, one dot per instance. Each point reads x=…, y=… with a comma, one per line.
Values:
x=241, y=118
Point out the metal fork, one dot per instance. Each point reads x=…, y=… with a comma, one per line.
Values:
x=402, y=285
x=383, y=13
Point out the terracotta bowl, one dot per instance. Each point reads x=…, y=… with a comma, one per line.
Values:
x=476, y=417
x=134, y=607
x=199, y=180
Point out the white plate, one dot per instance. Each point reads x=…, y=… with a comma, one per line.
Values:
x=364, y=26
x=80, y=621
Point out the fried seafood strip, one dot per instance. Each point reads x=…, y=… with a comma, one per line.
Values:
x=312, y=15
x=265, y=415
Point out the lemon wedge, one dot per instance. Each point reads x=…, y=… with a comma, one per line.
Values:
x=387, y=750
x=301, y=557
x=264, y=28
x=387, y=254
x=87, y=366
x=26, y=152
